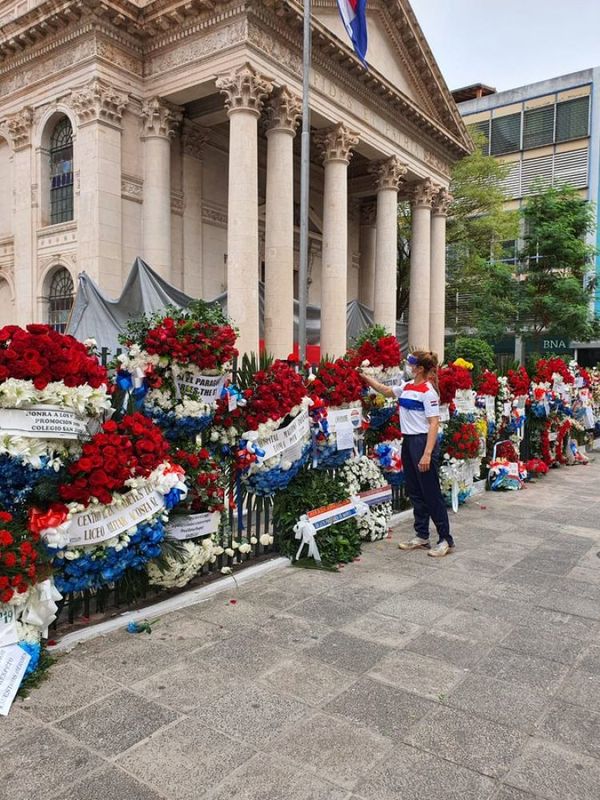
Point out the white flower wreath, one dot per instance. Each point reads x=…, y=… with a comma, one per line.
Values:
x=360, y=474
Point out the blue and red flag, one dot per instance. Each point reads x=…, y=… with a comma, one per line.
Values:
x=354, y=17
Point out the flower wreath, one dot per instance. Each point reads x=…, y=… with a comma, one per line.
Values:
x=360, y=474
x=378, y=354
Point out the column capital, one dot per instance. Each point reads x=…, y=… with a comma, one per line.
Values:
x=388, y=173
x=441, y=202
x=422, y=194
x=160, y=118
x=283, y=111
x=17, y=128
x=194, y=137
x=336, y=143
x=97, y=101
x=368, y=213
x=244, y=89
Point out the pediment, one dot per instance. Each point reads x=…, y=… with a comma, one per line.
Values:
x=399, y=52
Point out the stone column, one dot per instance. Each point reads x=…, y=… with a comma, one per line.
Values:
x=368, y=249
x=388, y=173
x=437, y=304
x=284, y=113
x=336, y=145
x=194, y=137
x=244, y=91
x=18, y=132
x=420, y=266
x=160, y=123
x=99, y=108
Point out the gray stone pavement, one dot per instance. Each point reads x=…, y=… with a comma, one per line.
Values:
x=472, y=677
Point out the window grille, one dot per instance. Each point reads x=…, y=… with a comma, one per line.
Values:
x=506, y=134
x=572, y=119
x=571, y=168
x=60, y=299
x=61, y=173
x=482, y=130
x=538, y=127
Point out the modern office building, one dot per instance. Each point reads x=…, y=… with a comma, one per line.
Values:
x=549, y=133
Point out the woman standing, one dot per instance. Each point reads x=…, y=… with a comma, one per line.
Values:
x=419, y=422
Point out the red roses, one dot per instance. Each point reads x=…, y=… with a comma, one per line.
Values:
x=337, y=383
x=547, y=367
x=488, y=383
x=19, y=559
x=133, y=447
x=204, y=481
x=186, y=341
x=452, y=378
x=465, y=442
x=384, y=352
x=519, y=381
x=40, y=354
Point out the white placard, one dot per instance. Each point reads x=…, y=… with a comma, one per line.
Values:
x=395, y=379
x=231, y=401
x=13, y=663
x=490, y=407
x=207, y=388
x=444, y=413
x=506, y=410
x=344, y=434
x=90, y=527
x=464, y=400
x=194, y=526
x=520, y=403
x=344, y=416
x=579, y=382
x=8, y=625
x=287, y=438
x=43, y=422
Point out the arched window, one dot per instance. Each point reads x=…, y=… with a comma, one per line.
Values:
x=61, y=172
x=60, y=299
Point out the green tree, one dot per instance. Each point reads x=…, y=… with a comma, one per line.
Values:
x=556, y=289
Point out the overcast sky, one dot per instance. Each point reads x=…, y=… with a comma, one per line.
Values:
x=510, y=43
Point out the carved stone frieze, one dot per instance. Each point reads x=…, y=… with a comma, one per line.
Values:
x=388, y=173
x=132, y=188
x=177, y=203
x=193, y=138
x=17, y=128
x=245, y=89
x=284, y=110
x=214, y=215
x=97, y=101
x=336, y=143
x=160, y=118
x=196, y=48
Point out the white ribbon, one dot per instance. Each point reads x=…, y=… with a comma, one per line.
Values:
x=362, y=509
x=306, y=531
x=40, y=609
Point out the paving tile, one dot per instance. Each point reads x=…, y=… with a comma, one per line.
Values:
x=415, y=775
x=421, y=612
x=290, y=632
x=425, y=591
x=242, y=654
x=382, y=708
x=360, y=596
x=558, y=624
x=521, y=668
x=447, y=647
x=185, y=761
x=348, y=652
x=68, y=688
x=17, y=723
x=527, y=639
x=274, y=780
x=581, y=688
x=570, y=604
x=571, y=725
x=506, y=703
x=110, y=783
x=243, y=614
x=327, y=609
x=185, y=632
x=474, y=625
x=388, y=631
x=106, y=726
x=335, y=749
x=309, y=680
x=415, y=673
x=555, y=773
x=125, y=658
x=510, y=793
x=474, y=742
x=251, y=713
x=40, y=763
x=186, y=684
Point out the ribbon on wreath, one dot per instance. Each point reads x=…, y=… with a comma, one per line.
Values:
x=306, y=532
x=132, y=384
x=41, y=609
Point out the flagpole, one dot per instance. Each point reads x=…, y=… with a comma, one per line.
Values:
x=304, y=184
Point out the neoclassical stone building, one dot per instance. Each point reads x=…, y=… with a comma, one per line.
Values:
x=167, y=129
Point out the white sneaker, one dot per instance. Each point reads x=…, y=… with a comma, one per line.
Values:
x=414, y=544
x=440, y=550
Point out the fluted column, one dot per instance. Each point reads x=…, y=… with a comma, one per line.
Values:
x=368, y=250
x=389, y=173
x=284, y=112
x=193, y=137
x=420, y=266
x=17, y=130
x=245, y=91
x=99, y=108
x=437, y=320
x=160, y=123
x=336, y=145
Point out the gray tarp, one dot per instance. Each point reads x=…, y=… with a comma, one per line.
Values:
x=95, y=316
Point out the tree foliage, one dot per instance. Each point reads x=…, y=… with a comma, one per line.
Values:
x=556, y=259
